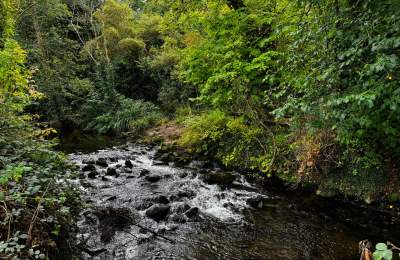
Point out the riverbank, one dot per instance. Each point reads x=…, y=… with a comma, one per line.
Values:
x=168, y=138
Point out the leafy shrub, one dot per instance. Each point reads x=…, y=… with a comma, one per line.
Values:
x=385, y=251
x=130, y=115
x=228, y=139
x=35, y=214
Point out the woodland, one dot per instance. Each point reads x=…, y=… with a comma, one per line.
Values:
x=305, y=91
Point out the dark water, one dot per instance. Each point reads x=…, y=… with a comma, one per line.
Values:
x=76, y=141
x=289, y=225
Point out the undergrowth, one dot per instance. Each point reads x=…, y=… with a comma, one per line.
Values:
x=299, y=157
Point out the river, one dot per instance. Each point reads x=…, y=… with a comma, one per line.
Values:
x=138, y=207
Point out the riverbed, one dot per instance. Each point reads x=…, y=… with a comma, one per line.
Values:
x=140, y=207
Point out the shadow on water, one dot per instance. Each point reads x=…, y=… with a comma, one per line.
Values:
x=289, y=225
x=76, y=141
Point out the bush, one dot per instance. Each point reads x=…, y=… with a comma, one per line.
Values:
x=37, y=203
x=129, y=115
x=228, y=139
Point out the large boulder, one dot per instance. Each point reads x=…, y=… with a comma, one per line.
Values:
x=158, y=212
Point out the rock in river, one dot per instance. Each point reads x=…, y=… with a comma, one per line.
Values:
x=102, y=162
x=192, y=212
x=128, y=164
x=88, y=168
x=144, y=172
x=111, y=171
x=221, y=178
x=255, y=202
x=158, y=212
x=160, y=199
x=178, y=218
x=92, y=174
x=153, y=178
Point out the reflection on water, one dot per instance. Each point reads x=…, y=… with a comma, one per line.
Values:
x=77, y=141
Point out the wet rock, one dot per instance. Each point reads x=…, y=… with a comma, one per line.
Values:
x=153, y=178
x=127, y=170
x=156, y=163
x=163, y=157
x=158, y=212
x=186, y=194
x=197, y=164
x=192, y=212
x=102, y=162
x=172, y=227
x=104, y=178
x=182, y=208
x=142, y=205
x=92, y=174
x=177, y=218
x=87, y=184
x=161, y=199
x=88, y=161
x=113, y=159
x=220, y=196
x=160, y=230
x=88, y=168
x=183, y=174
x=228, y=205
x=128, y=164
x=111, y=220
x=255, y=202
x=144, y=172
x=112, y=198
x=220, y=178
x=182, y=194
x=118, y=166
x=111, y=172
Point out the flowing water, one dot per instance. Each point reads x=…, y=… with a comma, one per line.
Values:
x=201, y=220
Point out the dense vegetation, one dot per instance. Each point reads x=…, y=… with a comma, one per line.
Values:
x=305, y=90
x=35, y=213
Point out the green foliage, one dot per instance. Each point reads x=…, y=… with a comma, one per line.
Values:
x=312, y=67
x=228, y=139
x=28, y=166
x=267, y=79
x=118, y=37
x=383, y=252
x=356, y=59
x=131, y=116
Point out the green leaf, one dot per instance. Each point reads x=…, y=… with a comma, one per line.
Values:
x=381, y=246
x=388, y=255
